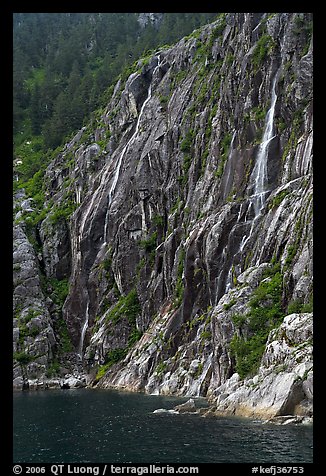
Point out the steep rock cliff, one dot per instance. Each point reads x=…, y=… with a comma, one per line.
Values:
x=33, y=335
x=182, y=218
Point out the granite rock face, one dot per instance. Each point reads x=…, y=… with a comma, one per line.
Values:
x=283, y=383
x=34, y=340
x=186, y=221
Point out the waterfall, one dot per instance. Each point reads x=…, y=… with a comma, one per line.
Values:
x=259, y=179
x=97, y=195
x=101, y=186
x=259, y=174
x=229, y=166
x=117, y=170
x=78, y=194
x=83, y=332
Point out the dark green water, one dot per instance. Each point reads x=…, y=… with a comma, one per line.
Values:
x=101, y=426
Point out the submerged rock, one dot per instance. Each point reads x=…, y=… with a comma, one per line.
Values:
x=290, y=419
x=187, y=407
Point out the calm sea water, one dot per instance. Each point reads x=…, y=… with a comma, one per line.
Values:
x=101, y=426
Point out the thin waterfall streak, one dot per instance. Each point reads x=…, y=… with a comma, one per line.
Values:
x=106, y=225
x=228, y=280
x=258, y=178
x=83, y=332
x=228, y=162
x=240, y=211
x=99, y=193
x=243, y=243
x=259, y=174
x=117, y=171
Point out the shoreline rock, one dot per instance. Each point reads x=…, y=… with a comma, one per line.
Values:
x=67, y=382
x=187, y=407
x=290, y=419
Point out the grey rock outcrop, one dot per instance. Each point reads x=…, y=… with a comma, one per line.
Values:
x=282, y=385
x=33, y=336
x=187, y=407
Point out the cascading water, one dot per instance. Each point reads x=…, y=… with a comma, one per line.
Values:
x=83, y=332
x=98, y=195
x=228, y=181
x=259, y=176
x=117, y=170
x=259, y=180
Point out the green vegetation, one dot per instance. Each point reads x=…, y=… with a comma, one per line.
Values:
x=65, y=344
x=186, y=146
x=57, y=290
x=31, y=178
x=298, y=306
x=140, y=266
x=31, y=157
x=164, y=99
x=224, y=151
x=302, y=27
x=56, y=88
x=62, y=211
x=25, y=330
x=296, y=130
x=187, y=141
x=127, y=307
x=53, y=369
x=161, y=367
x=264, y=46
x=134, y=337
x=265, y=313
x=280, y=124
x=204, y=50
x=158, y=220
x=60, y=290
x=115, y=355
x=149, y=245
x=176, y=206
x=106, y=264
x=218, y=30
x=290, y=145
x=229, y=304
x=206, y=335
x=229, y=59
x=259, y=113
x=23, y=358
x=239, y=320
x=277, y=200
x=112, y=357
x=293, y=248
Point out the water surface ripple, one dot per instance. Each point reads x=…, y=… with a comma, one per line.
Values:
x=102, y=426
